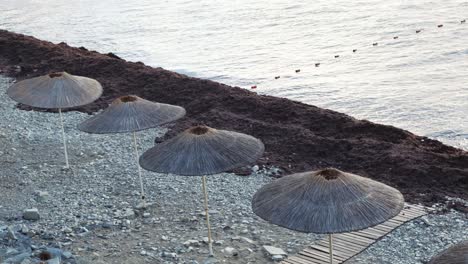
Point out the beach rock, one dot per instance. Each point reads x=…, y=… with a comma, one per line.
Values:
x=67, y=230
x=67, y=254
x=127, y=213
x=142, y=205
x=42, y=196
x=245, y=252
x=274, y=251
x=192, y=242
x=31, y=214
x=248, y=240
x=255, y=168
x=25, y=230
x=171, y=255
x=230, y=251
x=11, y=233
x=146, y=214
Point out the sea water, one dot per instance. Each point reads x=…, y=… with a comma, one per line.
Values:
x=418, y=81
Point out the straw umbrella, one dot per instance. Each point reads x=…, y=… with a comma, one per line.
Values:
x=457, y=254
x=326, y=201
x=57, y=90
x=201, y=151
x=131, y=114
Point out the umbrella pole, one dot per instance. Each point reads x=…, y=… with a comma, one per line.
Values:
x=330, y=241
x=64, y=141
x=210, y=242
x=139, y=170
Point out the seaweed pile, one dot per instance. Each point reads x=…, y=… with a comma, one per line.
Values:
x=297, y=136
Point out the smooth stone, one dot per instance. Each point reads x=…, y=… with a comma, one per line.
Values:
x=42, y=196
x=248, y=240
x=191, y=242
x=274, y=250
x=11, y=233
x=31, y=214
x=219, y=242
x=230, y=251
x=67, y=254
x=169, y=255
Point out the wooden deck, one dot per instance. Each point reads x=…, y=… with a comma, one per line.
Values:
x=348, y=245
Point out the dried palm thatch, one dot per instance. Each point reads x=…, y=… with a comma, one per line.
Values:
x=131, y=113
x=56, y=90
x=326, y=201
x=457, y=254
x=202, y=150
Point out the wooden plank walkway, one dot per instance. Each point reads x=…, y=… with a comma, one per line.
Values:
x=348, y=245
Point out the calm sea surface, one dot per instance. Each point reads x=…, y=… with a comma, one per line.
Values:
x=418, y=82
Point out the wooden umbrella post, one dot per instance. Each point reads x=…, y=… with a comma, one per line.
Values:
x=64, y=140
x=205, y=193
x=330, y=241
x=142, y=193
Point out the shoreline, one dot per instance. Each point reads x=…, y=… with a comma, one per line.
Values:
x=87, y=215
x=297, y=137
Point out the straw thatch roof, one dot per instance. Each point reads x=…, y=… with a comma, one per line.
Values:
x=131, y=113
x=202, y=150
x=56, y=90
x=457, y=254
x=326, y=201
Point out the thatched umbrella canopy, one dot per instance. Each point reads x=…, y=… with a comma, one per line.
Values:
x=326, y=201
x=56, y=90
x=457, y=254
x=201, y=151
x=131, y=113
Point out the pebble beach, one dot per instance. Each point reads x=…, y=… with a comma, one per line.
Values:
x=88, y=214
